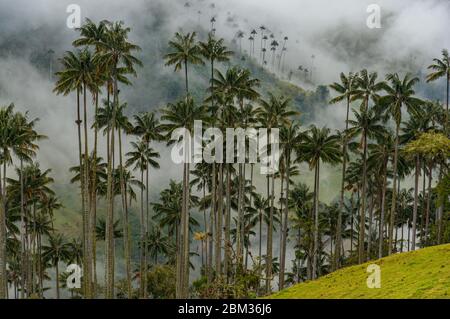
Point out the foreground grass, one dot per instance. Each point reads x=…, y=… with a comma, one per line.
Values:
x=420, y=274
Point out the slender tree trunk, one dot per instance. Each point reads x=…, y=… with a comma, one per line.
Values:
x=270, y=236
x=446, y=108
x=362, y=218
x=211, y=224
x=260, y=244
x=394, y=192
x=369, y=237
x=227, y=222
x=57, y=280
x=440, y=211
x=126, y=224
x=427, y=216
x=142, y=281
x=146, y=224
x=94, y=203
x=213, y=195
x=3, y=273
x=82, y=186
x=409, y=235
x=402, y=238
x=87, y=244
x=24, y=255
x=285, y=225
x=205, y=228
x=337, y=261
x=186, y=238
x=109, y=265
x=416, y=199
x=180, y=249
x=352, y=224
x=316, y=221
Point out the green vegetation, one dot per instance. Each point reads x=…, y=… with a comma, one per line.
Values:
x=423, y=273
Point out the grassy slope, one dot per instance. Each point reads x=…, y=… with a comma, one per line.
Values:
x=420, y=274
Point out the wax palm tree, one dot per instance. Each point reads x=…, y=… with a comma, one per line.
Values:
x=260, y=205
x=101, y=230
x=202, y=178
x=237, y=84
x=148, y=128
x=56, y=251
x=17, y=138
x=213, y=50
x=142, y=157
x=379, y=155
x=185, y=52
x=117, y=56
x=420, y=121
x=167, y=211
x=271, y=114
x=158, y=244
x=345, y=90
x=289, y=139
x=318, y=146
x=182, y=115
x=399, y=93
x=367, y=125
x=76, y=75
x=441, y=68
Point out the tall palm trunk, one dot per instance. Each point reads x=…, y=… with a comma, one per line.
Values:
x=211, y=224
x=87, y=238
x=227, y=222
x=186, y=237
x=126, y=224
x=316, y=221
x=383, y=207
x=142, y=282
x=269, y=260
x=394, y=192
x=146, y=225
x=57, y=279
x=3, y=273
x=362, y=220
x=260, y=243
x=219, y=218
x=416, y=199
x=427, y=215
x=285, y=224
x=213, y=196
x=82, y=185
x=337, y=254
x=109, y=265
x=94, y=204
x=24, y=254
x=239, y=226
x=369, y=237
x=204, y=242
x=182, y=243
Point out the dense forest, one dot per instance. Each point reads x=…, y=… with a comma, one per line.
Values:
x=221, y=230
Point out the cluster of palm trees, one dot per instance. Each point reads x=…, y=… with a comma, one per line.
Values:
x=225, y=208
x=29, y=243
x=268, y=41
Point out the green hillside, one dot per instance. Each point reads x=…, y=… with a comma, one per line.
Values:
x=420, y=274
